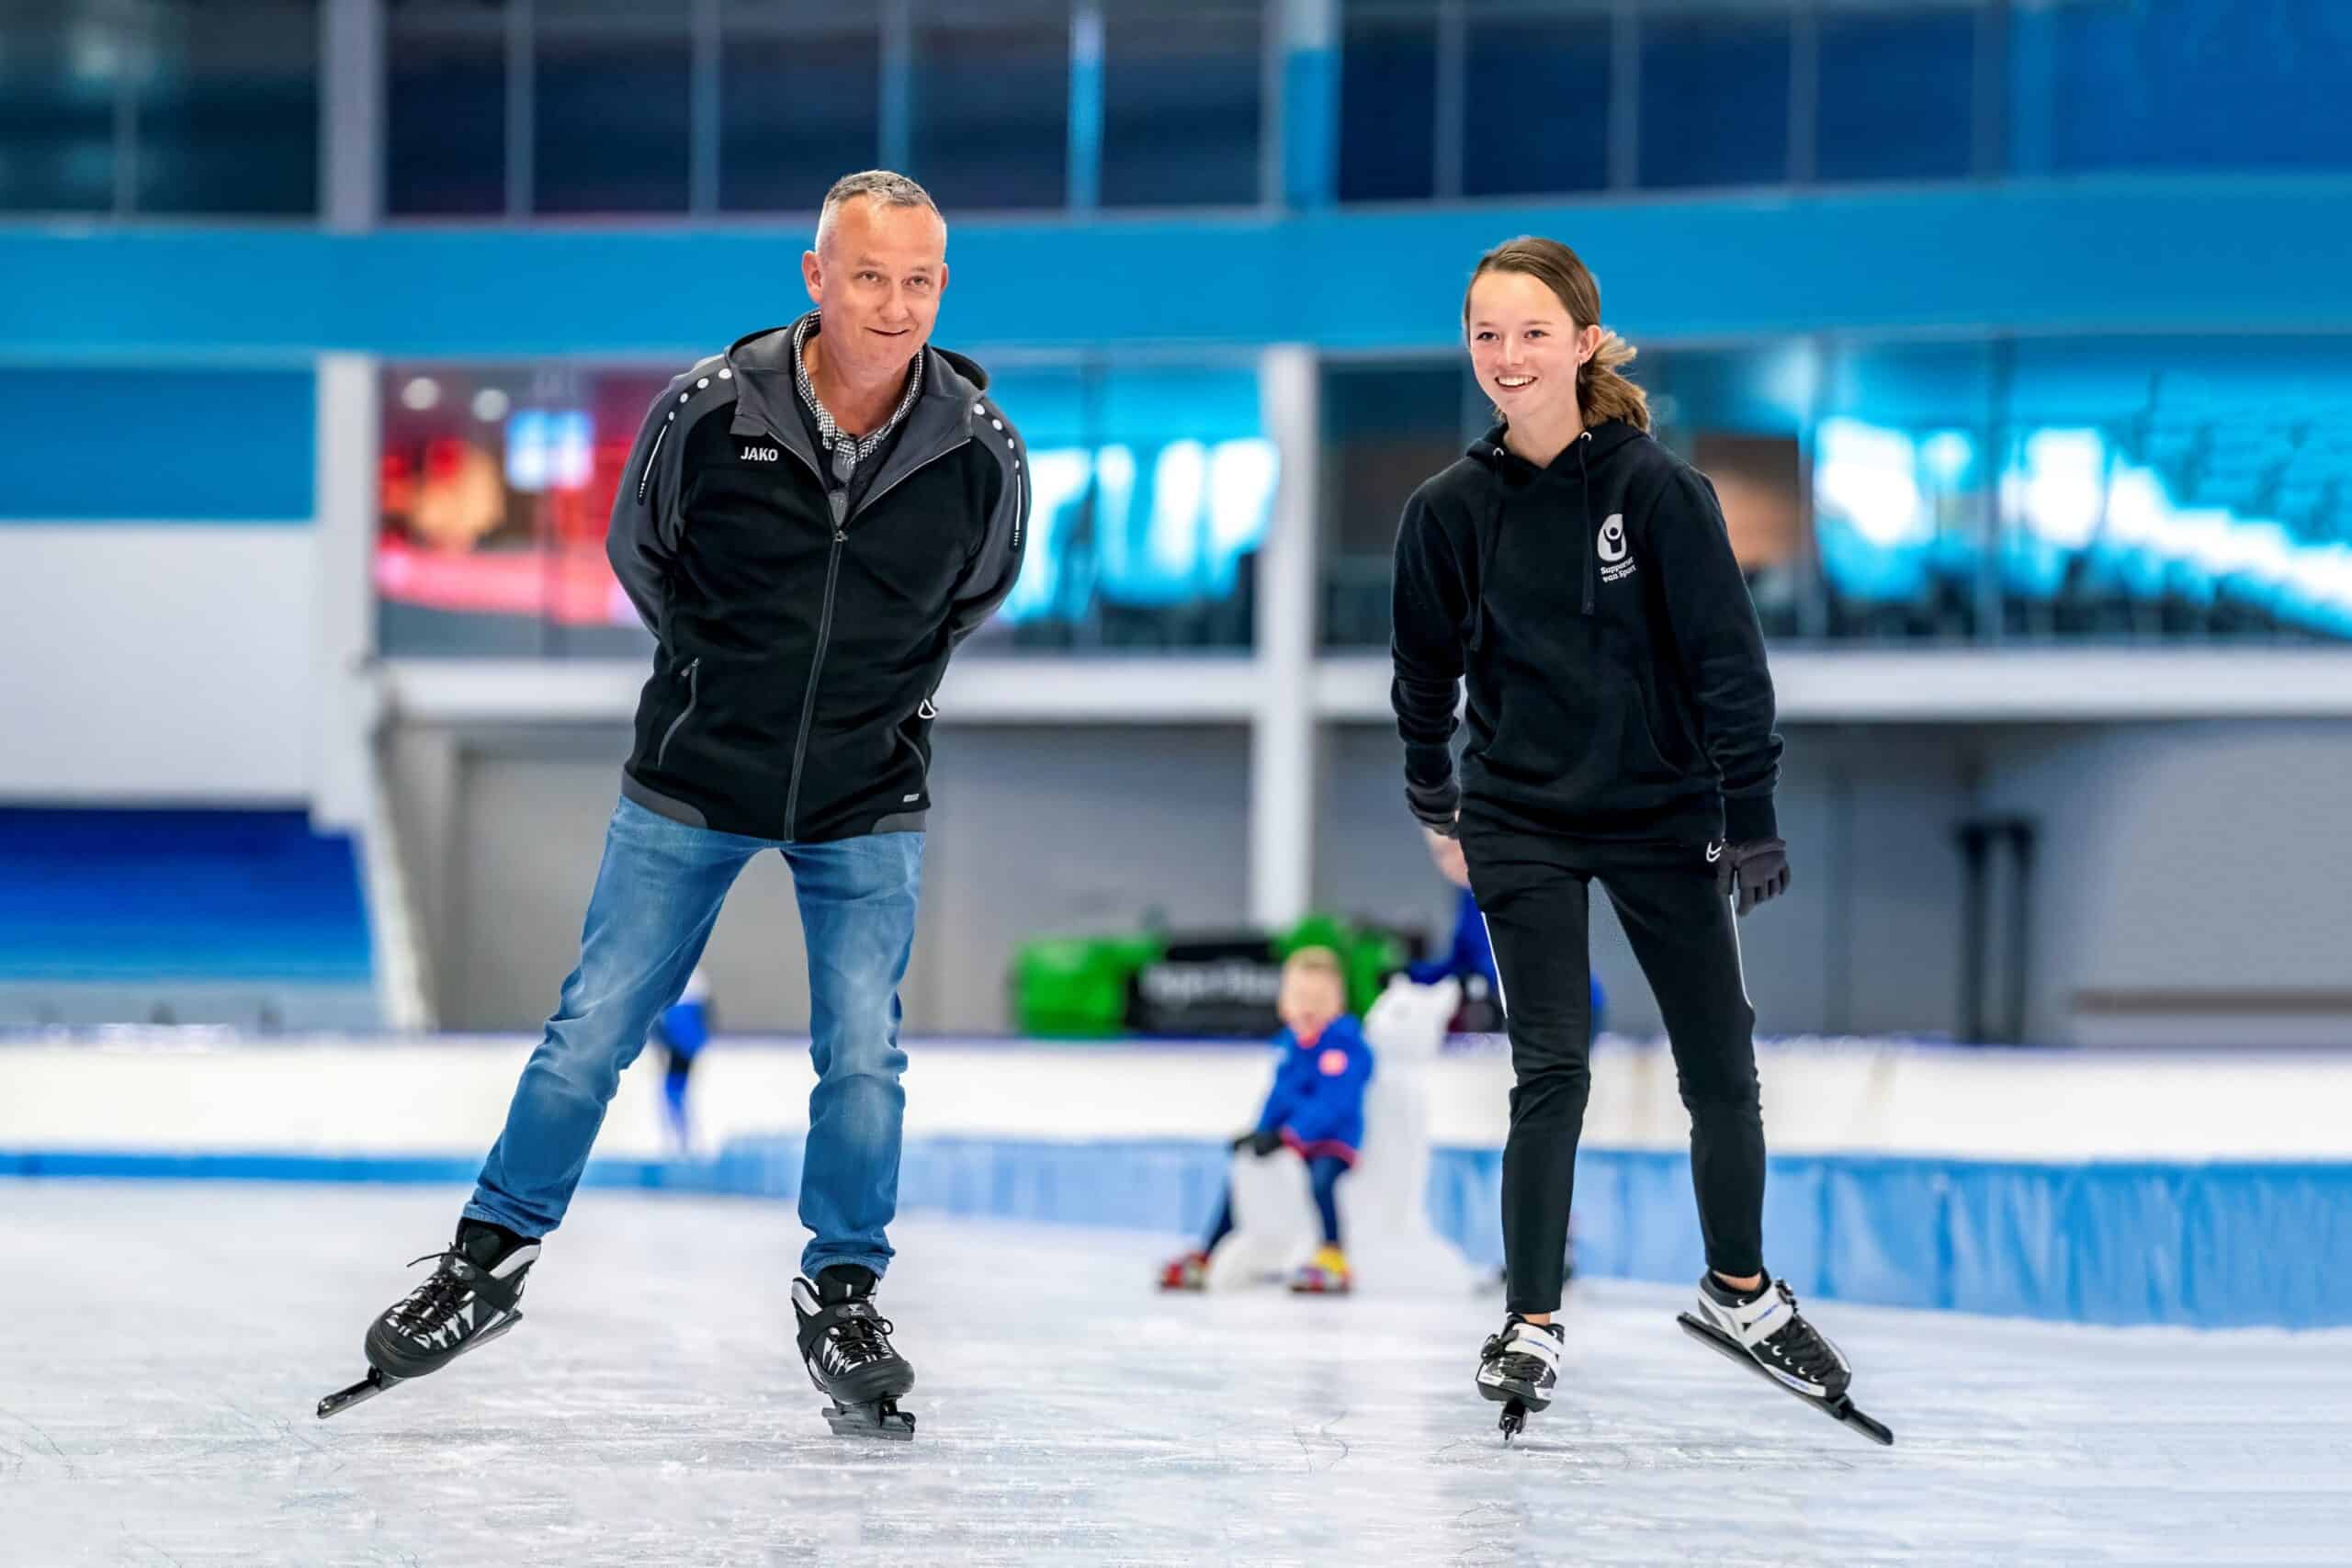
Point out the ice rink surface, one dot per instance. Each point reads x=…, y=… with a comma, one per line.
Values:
x=161, y=1349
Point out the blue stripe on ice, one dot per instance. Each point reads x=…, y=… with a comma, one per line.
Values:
x=2234, y=1245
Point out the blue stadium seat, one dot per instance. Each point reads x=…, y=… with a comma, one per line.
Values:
x=180, y=915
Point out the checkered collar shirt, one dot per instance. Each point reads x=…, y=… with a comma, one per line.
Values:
x=847, y=451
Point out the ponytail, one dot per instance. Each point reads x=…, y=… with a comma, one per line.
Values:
x=1602, y=394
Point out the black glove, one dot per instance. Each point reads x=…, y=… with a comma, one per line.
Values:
x=1751, y=873
x=1265, y=1143
x=1242, y=1141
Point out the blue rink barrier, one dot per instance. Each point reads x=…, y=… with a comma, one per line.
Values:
x=2218, y=1244
x=2223, y=1244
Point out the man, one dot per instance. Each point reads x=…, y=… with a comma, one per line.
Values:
x=809, y=523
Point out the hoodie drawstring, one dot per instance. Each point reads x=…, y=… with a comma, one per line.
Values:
x=1490, y=531
x=1584, y=477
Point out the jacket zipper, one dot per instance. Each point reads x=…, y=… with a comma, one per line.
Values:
x=816, y=668
x=825, y=616
x=694, y=694
x=645, y=476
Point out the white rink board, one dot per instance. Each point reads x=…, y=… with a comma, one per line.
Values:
x=197, y=1091
x=162, y=1346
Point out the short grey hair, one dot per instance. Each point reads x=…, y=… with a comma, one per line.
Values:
x=886, y=189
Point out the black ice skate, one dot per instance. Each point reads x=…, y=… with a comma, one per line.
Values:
x=469, y=1301
x=1772, y=1337
x=846, y=1344
x=1520, y=1367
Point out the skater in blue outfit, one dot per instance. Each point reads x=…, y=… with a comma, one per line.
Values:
x=681, y=1031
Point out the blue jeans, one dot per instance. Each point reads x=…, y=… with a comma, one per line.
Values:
x=658, y=894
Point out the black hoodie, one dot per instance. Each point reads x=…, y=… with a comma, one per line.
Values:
x=1616, y=672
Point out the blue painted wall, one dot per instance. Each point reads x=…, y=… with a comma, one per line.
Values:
x=155, y=444
x=2118, y=253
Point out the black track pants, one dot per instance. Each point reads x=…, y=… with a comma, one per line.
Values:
x=1532, y=890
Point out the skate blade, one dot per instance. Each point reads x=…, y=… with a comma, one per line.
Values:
x=1514, y=1419
x=882, y=1419
x=1840, y=1410
x=378, y=1380
x=1514, y=1393
x=360, y=1393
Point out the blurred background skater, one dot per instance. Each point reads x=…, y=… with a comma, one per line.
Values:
x=682, y=1031
x=1315, y=1110
x=1469, y=953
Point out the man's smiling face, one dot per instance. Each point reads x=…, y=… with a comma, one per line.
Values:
x=877, y=274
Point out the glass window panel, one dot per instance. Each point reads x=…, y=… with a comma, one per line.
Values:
x=1151, y=488
x=1903, y=476
x=1154, y=486
x=58, y=75
x=1738, y=415
x=1184, y=489
x=798, y=109
x=2164, y=488
x=1055, y=407
x=991, y=110
x=1714, y=98
x=228, y=107
x=445, y=131
x=1183, y=104
x=612, y=118
x=1897, y=93
x=1387, y=107
x=1535, y=105
x=2181, y=83
x=1386, y=428
x=495, y=485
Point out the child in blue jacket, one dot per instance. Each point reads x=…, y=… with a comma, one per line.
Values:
x=1316, y=1109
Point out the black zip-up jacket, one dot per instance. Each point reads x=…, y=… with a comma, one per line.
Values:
x=1616, y=673
x=791, y=691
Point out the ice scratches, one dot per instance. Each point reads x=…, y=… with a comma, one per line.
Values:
x=1498, y=1529
x=41, y=1443
x=1322, y=1435
x=653, y=1415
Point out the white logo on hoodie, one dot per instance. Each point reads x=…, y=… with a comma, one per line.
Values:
x=1614, y=553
